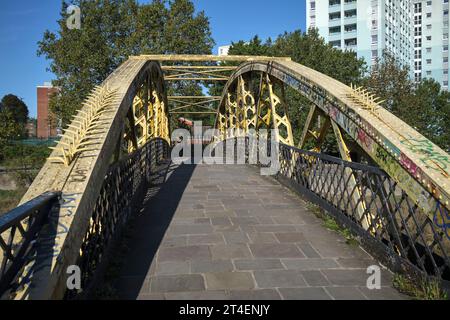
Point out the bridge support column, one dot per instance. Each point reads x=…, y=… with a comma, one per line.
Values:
x=357, y=196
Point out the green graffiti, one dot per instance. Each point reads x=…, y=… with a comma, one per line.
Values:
x=431, y=158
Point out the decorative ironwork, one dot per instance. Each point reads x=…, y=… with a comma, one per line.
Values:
x=395, y=221
x=18, y=233
x=85, y=126
x=124, y=185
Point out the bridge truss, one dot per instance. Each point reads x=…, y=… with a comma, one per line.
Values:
x=107, y=154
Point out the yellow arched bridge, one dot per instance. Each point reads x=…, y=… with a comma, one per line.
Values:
x=225, y=231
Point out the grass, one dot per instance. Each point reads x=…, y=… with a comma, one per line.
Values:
x=10, y=199
x=330, y=223
x=420, y=290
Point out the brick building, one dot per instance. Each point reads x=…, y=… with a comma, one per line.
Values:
x=31, y=128
x=45, y=129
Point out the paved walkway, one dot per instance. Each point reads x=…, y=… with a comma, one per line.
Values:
x=225, y=232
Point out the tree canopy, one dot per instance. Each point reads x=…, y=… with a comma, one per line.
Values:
x=110, y=32
x=13, y=117
x=424, y=106
x=311, y=50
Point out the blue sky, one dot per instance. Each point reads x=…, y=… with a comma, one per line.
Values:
x=22, y=24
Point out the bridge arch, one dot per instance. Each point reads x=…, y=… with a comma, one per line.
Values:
x=122, y=115
x=420, y=167
x=106, y=155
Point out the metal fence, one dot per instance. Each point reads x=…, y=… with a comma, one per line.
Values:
x=366, y=200
x=125, y=184
x=19, y=230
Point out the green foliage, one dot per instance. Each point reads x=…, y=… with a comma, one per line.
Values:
x=390, y=81
x=110, y=32
x=18, y=155
x=18, y=108
x=424, y=106
x=10, y=199
x=9, y=129
x=311, y=50
x=13, y=117
x=422, y=290
x=331, y=224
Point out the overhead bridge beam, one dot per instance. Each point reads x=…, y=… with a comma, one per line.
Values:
x=206, y=58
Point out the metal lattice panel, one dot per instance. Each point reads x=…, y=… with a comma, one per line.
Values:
x=124, y=185
x=389, y=216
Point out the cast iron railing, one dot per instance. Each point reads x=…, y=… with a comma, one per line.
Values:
x=124, y=186
x=369, y=202
x=19, y=230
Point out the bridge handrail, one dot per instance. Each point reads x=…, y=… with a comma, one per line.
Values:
x=336, y=160
x=15, y=252
x=392, y=226
x=124, y=186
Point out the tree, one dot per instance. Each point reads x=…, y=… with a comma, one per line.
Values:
x=15, y=110
x=311, y=50
x=9, y=130
x=390, y=80
x=110, y=32
x=424, y=106
x=429, y=112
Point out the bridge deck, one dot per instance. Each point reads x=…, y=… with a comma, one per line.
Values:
x=225, y=232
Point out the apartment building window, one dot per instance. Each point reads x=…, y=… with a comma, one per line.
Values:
x=445, y=59
x=351, y=42
x=350, y=27
x=418, y=77
x=429, y=15
x=334, y=2
x=429, y=50
x=336, y=44
x=428, y=73
x=374, y=39
x=429, y=3
x=445, y=48
x=334, y=30
x=350, y=13
x=428, y=38
x=335, y=16
x=313, y=5
x=374, y=24
x=429, y=61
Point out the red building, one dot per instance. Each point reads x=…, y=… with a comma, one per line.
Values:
x=45, y=128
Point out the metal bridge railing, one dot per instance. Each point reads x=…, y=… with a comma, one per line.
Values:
x=366, y=200
x=19, y=230
x=124, y=185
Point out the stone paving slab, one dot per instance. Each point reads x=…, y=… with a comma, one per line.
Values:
x=225, y=232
